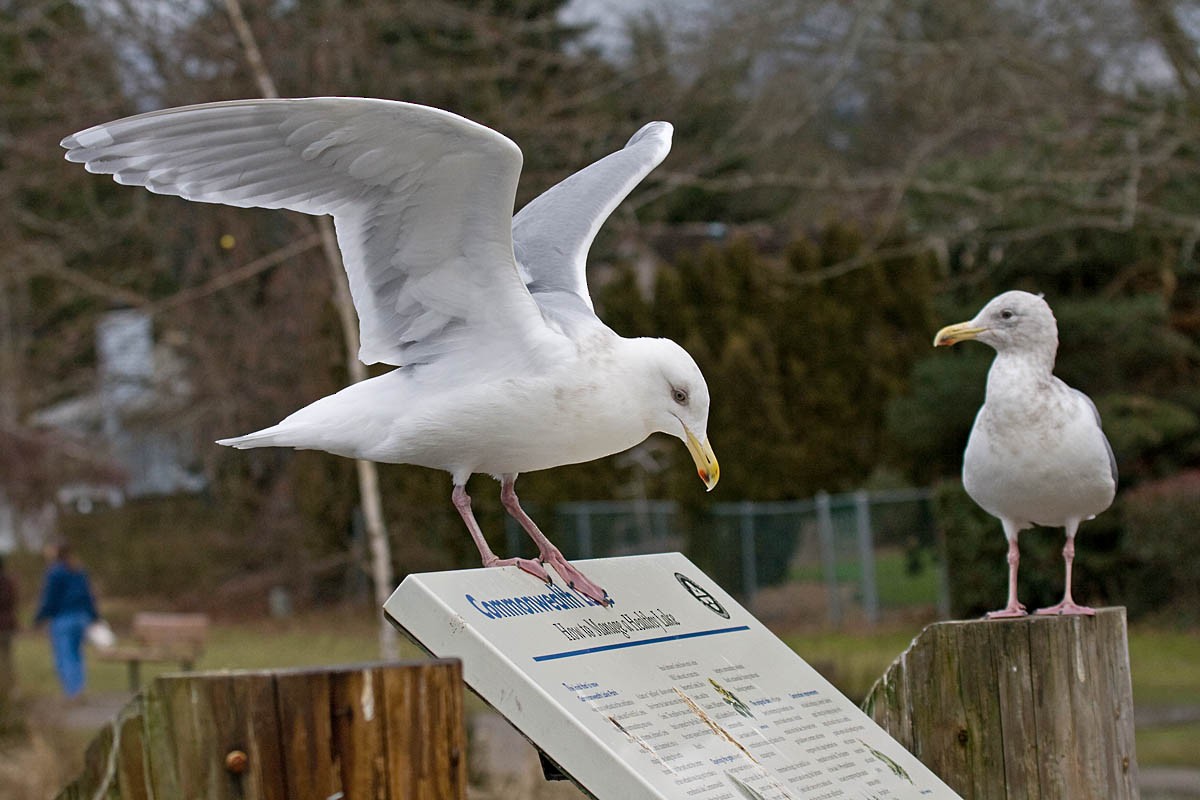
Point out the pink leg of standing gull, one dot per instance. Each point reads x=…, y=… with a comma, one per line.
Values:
x=462, y=501
x=1068, y=605
x=547, y=552
x=1013, y=608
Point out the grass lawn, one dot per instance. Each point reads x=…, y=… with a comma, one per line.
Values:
x=345, y=636
x=1166, y=672
x=852, y=661
x=897, y=586
x=1169, y=746
x=1166, y=666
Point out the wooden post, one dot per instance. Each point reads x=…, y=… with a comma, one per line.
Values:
x=1036, y=708
x=382, y=731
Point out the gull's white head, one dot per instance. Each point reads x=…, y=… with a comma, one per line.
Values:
x=676, y=398
x=1013, y=321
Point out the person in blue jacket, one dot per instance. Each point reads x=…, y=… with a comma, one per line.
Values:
x=68, y=605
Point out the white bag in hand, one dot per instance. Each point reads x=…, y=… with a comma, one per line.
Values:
x=100, y=635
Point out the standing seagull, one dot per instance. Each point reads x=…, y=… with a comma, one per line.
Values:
x=503, y=366
x=1037, y=454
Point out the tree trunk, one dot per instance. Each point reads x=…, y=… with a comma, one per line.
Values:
x=368, y=475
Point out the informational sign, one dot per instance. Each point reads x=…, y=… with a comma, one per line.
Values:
x=674, y=691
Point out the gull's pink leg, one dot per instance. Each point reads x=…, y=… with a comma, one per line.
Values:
x=548, y=553
x=1013, y=608
x=1068, y=605
x=462, y=501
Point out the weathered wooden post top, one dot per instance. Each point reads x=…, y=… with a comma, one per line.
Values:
x=1035, y=708
x=384, y=731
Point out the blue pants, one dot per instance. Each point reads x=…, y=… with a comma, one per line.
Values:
x=66, y=639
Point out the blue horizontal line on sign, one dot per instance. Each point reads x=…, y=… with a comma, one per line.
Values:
x=620, y=645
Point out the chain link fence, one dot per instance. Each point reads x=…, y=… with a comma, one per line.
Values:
x=837, y=560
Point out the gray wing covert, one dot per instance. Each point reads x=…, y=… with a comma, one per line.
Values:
x=1112, y=459
x=553, y=233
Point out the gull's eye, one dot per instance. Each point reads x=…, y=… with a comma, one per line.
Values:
x=1007, y=314
x=680, y=396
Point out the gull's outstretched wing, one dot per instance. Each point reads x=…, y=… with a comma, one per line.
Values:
x=552, y=235
x=421, y=199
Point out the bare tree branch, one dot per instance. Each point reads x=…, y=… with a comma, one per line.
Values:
x=1159, y=16
x=871, y=257
x=234, y=276
x=52, y=266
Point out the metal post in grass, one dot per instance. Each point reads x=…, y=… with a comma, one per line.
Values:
x=512, y=535
x=828, y=556
x=866, y=556
x=749, y=556
x=583, y=531
x=943, y=576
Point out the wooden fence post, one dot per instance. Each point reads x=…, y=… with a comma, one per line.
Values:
x=1036, y=708
x=380, y=731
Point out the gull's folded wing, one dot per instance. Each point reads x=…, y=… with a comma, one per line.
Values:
x=1112, y=458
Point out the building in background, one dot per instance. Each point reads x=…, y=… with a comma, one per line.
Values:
x=137, y=415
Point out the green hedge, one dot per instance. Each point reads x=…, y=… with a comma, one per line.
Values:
x=1162, y=521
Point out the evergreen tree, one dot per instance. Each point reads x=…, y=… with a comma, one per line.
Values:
x=800, y=374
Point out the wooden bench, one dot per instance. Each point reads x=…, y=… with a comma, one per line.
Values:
x=159, y=636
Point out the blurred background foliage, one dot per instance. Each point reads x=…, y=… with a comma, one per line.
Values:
x=845, y=179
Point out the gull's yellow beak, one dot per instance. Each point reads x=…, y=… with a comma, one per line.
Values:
x=706, y=460
x=953, y=334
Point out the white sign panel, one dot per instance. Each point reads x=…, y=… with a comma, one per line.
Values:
x=675, y=691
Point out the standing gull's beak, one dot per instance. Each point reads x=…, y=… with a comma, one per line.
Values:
x=706, y=460
x=953, y=334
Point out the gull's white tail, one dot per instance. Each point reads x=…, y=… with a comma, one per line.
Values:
x=267, y=437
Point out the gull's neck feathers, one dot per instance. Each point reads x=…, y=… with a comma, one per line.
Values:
x=1015, y=372
x=1023, y=370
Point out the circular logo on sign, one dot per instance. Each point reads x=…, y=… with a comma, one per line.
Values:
x=701, y=594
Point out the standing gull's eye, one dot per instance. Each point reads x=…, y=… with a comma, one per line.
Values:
x=680, y=396
x=1007, y=314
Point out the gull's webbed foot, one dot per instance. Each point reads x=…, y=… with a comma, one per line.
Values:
x=1067, y=608
x=575, y=579
x=1011, y=610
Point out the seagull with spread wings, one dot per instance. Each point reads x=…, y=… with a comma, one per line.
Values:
x=502, y=365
